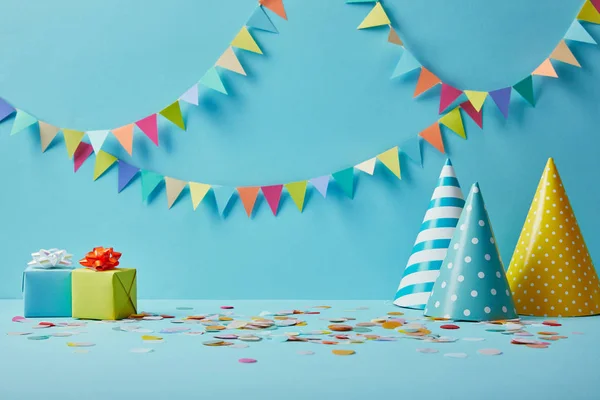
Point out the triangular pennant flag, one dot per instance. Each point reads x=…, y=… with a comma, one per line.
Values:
x=376, y=17
x=345, y=178
x=472, y=285
x=260, y=20
x=103, y=162
x=223, y=195
x=431, y=245
x=229, y=60
x=525, y=89
x=72, y=140
x=5, y=109
x=297, y=191
x=173, y=114
x=448, y=95
x=191, y=95
x=321, y=183
x=426, y=81
x=272, y=194
x=276, y=6
x=476, y=116
x=22, y=121
x=433, y=136
x=248, y=196
x=453, y=121
x=476, y=98
x=198, y=191
x=126, y=174
x=212, y=80
x=412, y=148
x=551, y=272
x=149, y=126
x=83, y=151
x=150, y=181
x=545, y=69
x=174, y=189
x=589, y=13
x=124, y=135
x=407, y=63
x=563, y=53
x=394, y=38
x=390, y=159
x=244, y=40
x=47, y=134
x=596, y=4
x=367, y=166
x=578, y=33
x=502, y=99
x=97, y=139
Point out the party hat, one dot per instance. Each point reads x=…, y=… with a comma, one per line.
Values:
x=431, y=245
x=551, y=272
x=472, y=285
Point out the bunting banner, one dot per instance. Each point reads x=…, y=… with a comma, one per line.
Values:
x=427, y=80
x=149, y=125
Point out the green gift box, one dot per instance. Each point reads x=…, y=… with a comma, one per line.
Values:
x=104, y=295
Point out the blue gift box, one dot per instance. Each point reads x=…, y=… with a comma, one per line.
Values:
x=47, y=292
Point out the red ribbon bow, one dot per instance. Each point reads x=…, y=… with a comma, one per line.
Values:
x=101, y=259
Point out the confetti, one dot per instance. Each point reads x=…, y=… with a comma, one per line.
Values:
x=239, y=346
x=184, y=308
x=489, y=352
x=42, y=337
x=343, y=352
x=306, y=352
x=150, y=338
x=80, y=344
x=227, y=307
x=449, y=326
x=19, y=319
x=247, y=360
x=18, y=333
x=427, y=350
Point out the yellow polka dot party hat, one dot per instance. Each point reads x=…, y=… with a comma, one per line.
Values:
x=551, y=272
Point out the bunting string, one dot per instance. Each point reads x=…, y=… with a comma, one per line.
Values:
x=589, y=13
x=148, y=126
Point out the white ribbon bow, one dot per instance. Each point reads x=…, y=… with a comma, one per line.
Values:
x=51, y=258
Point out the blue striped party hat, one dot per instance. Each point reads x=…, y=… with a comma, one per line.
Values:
x=429, y=250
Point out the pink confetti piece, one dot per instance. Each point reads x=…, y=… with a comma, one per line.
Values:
x=247, y=360
x=19, y=319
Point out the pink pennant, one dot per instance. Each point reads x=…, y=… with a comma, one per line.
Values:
x=448, y=95
x=83, y=151
x=149, y=126
x=477, y=117
x=272, y=194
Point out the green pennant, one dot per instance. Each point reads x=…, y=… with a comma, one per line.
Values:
x=345, y=178
x=22, y=121
x=150, y=180
x=173, y=114
x=297, y=191
x=525, y=89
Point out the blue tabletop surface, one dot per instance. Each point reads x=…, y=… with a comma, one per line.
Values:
x=181, y=367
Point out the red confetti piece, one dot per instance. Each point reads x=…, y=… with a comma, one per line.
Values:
x=449, y=326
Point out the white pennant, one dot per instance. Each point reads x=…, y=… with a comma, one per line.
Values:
x=97, y=139
x=367, y=166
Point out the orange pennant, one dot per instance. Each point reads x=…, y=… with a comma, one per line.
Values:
x=248, y=197
x=276, y=6
x=426, y=81
x=545, y=69
x=124, y=135
x=433, y=136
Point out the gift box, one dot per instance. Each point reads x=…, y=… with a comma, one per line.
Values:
x=46, y=285
x=101, y=291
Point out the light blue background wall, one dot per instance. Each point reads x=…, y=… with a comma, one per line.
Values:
x=319, y=100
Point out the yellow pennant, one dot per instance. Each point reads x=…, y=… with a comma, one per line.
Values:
x=72, y=140
x=476, y=98
x=244, y=40
x=297, y=191
x=103, y=162
x=376, y=17
x=198, y=191
x=47, y=134
x=589, y=13
x=174, y=189
x=390, y=159
x=453, y=121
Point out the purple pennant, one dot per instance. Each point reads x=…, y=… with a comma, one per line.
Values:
x=5, y=109
x=502, y=98
x=126, y=174
x=321, y=183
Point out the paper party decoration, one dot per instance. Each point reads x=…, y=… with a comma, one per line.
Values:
x=124, y=135
x=47, y=134
x=453, y=121
x=260, y=20
x=551, y=272
x=229, y=61
x=431, y=245
x=376, y=17
x=472, y=285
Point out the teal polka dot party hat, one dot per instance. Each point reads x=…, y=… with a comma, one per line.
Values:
x=472, y=284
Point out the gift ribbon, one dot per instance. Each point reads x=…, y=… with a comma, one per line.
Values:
x=52, y=258
x=101, y=259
